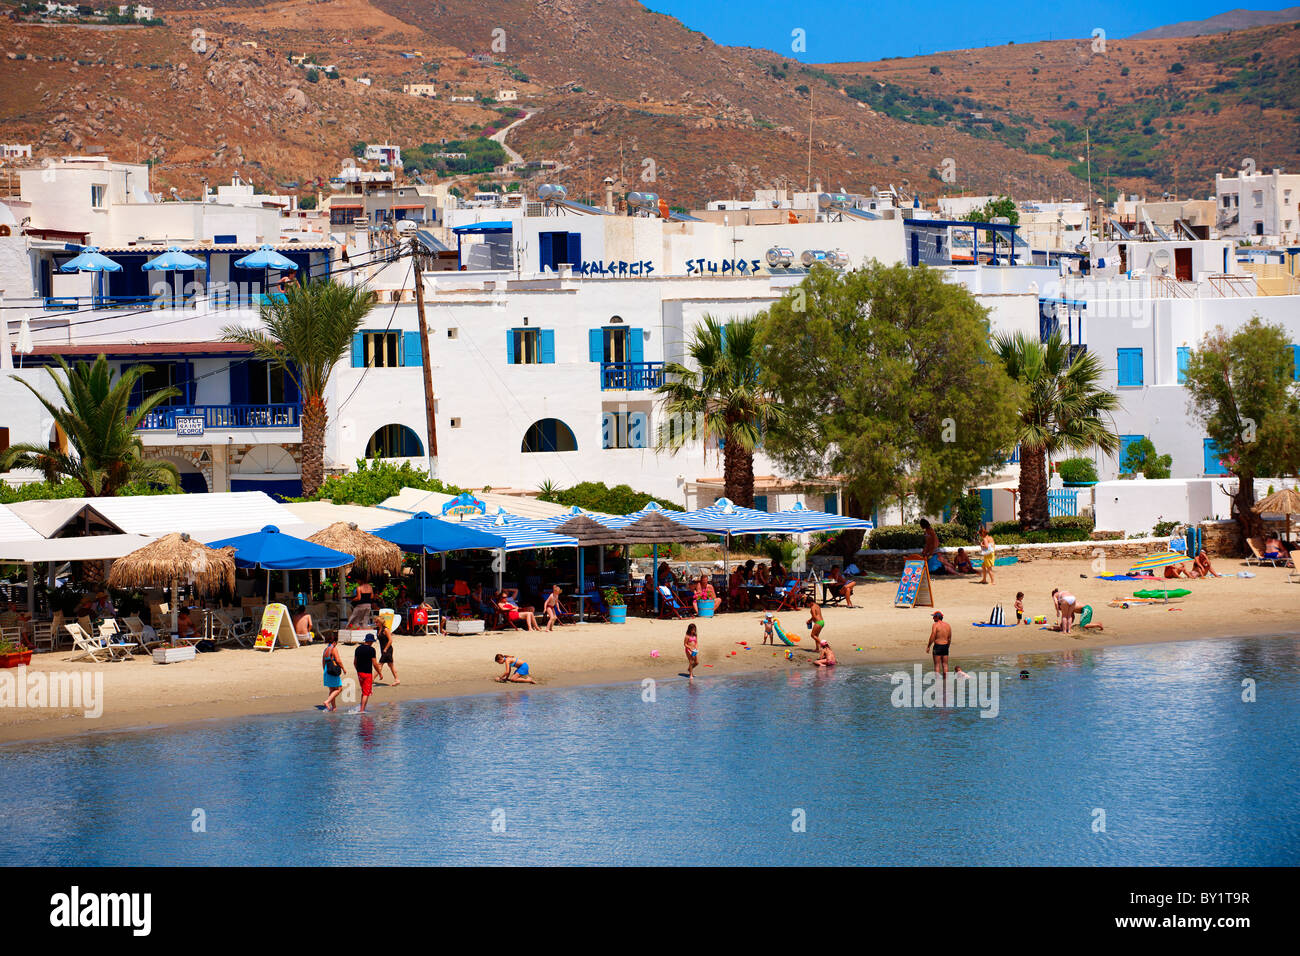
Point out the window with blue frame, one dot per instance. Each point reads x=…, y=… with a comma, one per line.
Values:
x=530, y=346
x=625, y=430
x=164, y=375
x=1124, y=442
x=558, y=248
x=1213, y=466
x=1130, y=367
x=760, y=502
x=832, y=504
x=1295, y=363
x=1184, y=356
x=382, y=348
x=548, y=434
x=615, y=344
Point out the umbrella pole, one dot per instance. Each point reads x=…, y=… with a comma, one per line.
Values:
x=175, y=609
x=502, y=552
x=424, y=560
x=654, y=572
x=581, y=588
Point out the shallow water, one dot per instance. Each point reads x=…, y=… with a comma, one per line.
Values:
x=1156, y=737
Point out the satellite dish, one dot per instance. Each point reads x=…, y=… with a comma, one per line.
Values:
x=1161, y=260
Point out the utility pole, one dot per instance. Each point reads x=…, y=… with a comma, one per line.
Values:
x=808, y=185
x=1091, y=211
x=417, y=258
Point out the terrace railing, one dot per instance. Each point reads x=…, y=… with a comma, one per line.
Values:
x=221, y=417
x=631, y=376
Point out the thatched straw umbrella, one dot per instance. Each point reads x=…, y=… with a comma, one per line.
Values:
x=171, y=559
x=656, y=529
x=373, y=554
x=589, y=532
x=1285, y=502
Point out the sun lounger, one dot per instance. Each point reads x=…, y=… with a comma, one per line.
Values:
x=1292, y=573
x=88, y=648
x=669, y=605
x=1257, y=555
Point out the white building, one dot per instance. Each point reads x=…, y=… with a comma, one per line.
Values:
x=1259, y=205
x=421, y=89
x=507, y=96
x=385, y=154
x=16, y=151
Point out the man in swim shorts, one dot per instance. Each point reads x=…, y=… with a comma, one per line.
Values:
x=363, y=659
x=939, y=642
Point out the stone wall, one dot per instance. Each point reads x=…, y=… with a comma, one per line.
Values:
x=891, y=562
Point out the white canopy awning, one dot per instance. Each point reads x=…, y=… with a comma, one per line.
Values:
x=95, y=548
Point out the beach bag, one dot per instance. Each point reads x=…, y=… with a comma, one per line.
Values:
x=419, y=617
x=205, y=646
x=332, y=667
x=995, y=617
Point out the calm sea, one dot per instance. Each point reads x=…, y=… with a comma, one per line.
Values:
x=1155, y=744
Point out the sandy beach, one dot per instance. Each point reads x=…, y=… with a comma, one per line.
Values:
x=236, y=682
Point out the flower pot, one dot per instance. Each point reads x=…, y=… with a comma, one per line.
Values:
x=705, y=606
x=618, y=614
x=15, y=658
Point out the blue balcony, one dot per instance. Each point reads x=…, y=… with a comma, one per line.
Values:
x=223, y=417
x=631, y=376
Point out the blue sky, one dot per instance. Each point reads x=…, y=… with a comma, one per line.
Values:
x=846, y=30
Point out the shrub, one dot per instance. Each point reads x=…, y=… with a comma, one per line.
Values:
x=377, y=480
x=910, y=537
x=596, y=496
x=780, y=549
x=1076, y=470
x=1141, y=458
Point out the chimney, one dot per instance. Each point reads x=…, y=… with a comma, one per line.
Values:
x=609, y=194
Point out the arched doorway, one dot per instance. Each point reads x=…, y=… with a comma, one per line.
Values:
x=548, y=434
x=268, y=468
x=394, y=441
x=192, y=480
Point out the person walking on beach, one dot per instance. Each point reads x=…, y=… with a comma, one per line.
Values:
x=691, y=643
x=939, y=642
x=519, y=668
x=986, y=555
x=815, y=620
x=1066, y=606
x=334, y=671
x=553, y=608
x=364, y=661
x=386, y=653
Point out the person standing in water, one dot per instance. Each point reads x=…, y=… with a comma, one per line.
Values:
x=939, y=642
x=691, y=644
x=334, y=671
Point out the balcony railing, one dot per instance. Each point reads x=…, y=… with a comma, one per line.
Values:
x=222, y=417
x=631, y=376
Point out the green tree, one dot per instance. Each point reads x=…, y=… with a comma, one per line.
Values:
x=105, y=452
x=1003, y=206
x=889, y=380
x=720, y=397
x=1141, y=459
x=375, y=481
x=1064, y=409
x=1241, y=389
x=307, y=332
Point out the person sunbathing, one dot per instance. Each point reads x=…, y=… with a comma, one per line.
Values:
x=1273, y=548
x=514, y=613
x=962, y=562
x=1201, y=567
x=1176, y=571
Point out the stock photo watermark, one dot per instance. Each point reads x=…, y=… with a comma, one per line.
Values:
x=53, y=690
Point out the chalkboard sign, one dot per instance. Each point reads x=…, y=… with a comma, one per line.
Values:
x=914, y=585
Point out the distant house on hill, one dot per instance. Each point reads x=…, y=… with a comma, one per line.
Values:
x=421, y=89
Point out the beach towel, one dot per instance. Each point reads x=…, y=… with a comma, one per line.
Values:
x=995, y=617
x=1002, y=562
x=987, y=624
x=1126, y=577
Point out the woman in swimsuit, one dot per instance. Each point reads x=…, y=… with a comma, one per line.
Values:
x=986, y=556
x=333, y=682
x=1202, y=568
x=520, y=675
x=1066, y=606
x=514, y=615
x=385, y=653
x=691, y=643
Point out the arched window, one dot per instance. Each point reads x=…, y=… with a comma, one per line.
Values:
x=549, y=434
x=394, y=441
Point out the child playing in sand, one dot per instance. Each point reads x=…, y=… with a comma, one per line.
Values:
x=1020, y=606
x=827, y=656
x=520, y=675
x=769, y=630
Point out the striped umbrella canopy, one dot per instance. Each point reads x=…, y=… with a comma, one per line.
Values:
x=725, y=517
x=1154, y=561
x=803, y=519
x=519, y=533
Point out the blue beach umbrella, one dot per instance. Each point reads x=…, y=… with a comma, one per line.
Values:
x=91, y=260
x=270, y=549
x=266, y=259
x=803, y=519
x=424, y=534
x=173, y=260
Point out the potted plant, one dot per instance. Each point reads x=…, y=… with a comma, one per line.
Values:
x=617, y=609
x=1077, y=472
x=12, y=655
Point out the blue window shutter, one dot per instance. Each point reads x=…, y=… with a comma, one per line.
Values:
x=547, y=339
x=596, y=344
x=187, y=385
x=986, y=501
x=291, y=394
x=635, y=345
x=511, y=357
x=359, y=350
x=1184, y=355
x=1124, y=442
x=638, y=430
x=1212, y=455
x=1129, y=366
x=546, y=251
x=412, y=353
x=760, y=502
x=1295, y=363
x=239, y=383
x=832, y=504
x=573, y=251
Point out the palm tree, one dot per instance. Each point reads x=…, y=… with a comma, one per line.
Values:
x=312, y=327
x=720, y=398
x=95, y=417
x=1064, y=409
